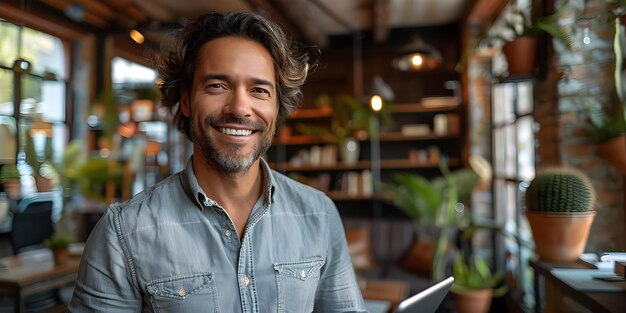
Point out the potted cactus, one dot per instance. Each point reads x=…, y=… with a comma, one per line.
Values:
x=560, y=211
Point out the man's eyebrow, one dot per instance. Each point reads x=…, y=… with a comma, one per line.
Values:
x=260, y=81
x=224, y=77
x=208, y=77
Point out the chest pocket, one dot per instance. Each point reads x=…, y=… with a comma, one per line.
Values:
x=297, y=283
x=184, y=293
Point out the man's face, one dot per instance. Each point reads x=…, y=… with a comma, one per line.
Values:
x=232, y=104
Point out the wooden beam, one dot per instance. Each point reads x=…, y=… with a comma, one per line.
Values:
x=294, y=12
x=36, y=20
x=267, y=10
x=381, y=13
x=485, y=12
x=88, y=18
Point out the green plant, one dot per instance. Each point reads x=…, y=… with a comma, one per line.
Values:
x=522, y=24
x=348, y=116
x=475, y=275
x=9, y=172
x=611, y=123
x=59, y=241
x=433, y=203
x=422, y=199
x=560, y=190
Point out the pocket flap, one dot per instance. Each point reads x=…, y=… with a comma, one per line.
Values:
x=181, y=286
x=302, y=270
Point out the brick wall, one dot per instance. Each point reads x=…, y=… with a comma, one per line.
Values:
x=584, y=70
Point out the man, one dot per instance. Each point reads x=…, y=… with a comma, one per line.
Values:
x=227, y=234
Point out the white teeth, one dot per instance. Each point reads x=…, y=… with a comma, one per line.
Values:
x=236, y=132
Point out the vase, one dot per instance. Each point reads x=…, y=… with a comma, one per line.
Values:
x=349, y=151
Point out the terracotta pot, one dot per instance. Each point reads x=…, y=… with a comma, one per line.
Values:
x=13, y=189
x=560, y=236
x=520, y=55
x=43, y=184
x=61, y=255
x=614, y=152
x=473, y=301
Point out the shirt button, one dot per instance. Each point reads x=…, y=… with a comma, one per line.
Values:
x=228, y=233
x=302, y=274
x=182, y=292
x=245, y=280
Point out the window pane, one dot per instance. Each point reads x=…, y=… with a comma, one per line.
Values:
x=52, y=106
x=6, y=92
x=45, y=52
x=8, y=43
x=130, y=74
x=31, y=95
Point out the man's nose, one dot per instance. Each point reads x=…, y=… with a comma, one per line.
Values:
x=239, y=103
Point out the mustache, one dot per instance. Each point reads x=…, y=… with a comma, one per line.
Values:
x=211, y=121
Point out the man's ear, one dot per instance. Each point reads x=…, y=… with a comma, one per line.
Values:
x=184, y=103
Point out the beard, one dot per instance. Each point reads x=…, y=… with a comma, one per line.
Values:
x=231, y=160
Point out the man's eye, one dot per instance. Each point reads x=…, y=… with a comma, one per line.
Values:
x=260, y=90
x=216, y=86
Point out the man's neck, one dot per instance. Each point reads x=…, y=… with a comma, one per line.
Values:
x=236, y=193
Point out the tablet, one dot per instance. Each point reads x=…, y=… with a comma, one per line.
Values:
x=427, y=301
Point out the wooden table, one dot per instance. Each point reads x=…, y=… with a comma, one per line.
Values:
x=392, y=291
x=595, y=301
x=32, y=272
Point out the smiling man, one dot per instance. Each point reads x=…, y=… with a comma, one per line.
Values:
x=227, y=234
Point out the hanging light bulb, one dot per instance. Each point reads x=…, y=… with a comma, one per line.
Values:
x=136, y=36
x=418, y=56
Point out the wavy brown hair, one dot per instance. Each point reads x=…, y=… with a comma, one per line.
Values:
x=176, y=67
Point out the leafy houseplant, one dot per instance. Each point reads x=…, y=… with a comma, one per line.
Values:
x=608, y=127
x=59, y=244
x=10, y=179
x=475, y=285
x=44, y=170
x=524, y=29
x=560, y=209
x=349, y=118
x=431, y=204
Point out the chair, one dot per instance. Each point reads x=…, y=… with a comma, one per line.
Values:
x=32, y=221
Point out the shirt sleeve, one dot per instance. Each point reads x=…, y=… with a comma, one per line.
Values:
x=104, y=282
x=338, y=290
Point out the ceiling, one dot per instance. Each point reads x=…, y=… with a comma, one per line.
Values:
x=311, y=21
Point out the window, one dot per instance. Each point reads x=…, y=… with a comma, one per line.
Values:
x=33, y=76
x=514, y=166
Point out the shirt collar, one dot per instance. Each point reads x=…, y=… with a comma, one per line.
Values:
x=193, y=190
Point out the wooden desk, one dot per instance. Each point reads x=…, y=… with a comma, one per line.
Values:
x=33, y=272
x=387, y=290
x=597, y=302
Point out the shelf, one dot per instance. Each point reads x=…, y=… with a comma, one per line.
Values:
x=419, y=108
x=384, y=137
x=362, y=165
x=311, y=113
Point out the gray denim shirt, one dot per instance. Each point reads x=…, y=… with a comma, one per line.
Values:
x=172, y=249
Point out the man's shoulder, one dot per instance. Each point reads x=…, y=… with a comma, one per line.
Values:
x=295, y=191
x=162, y=194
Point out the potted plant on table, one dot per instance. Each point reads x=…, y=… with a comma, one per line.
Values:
x=560, y=210
x=475, y=285
x=10, y=178
x=59, y=244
